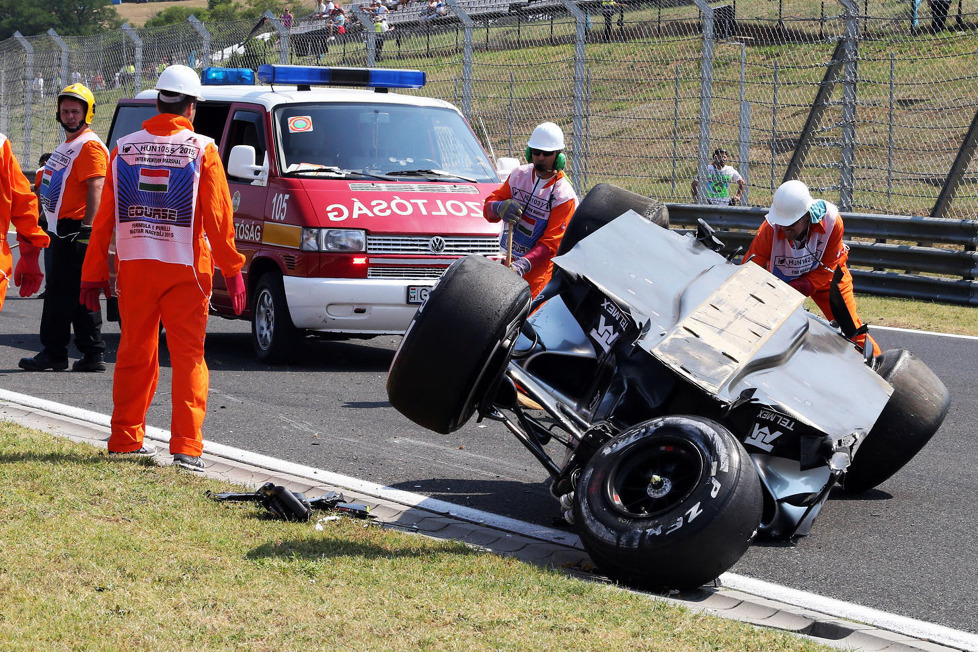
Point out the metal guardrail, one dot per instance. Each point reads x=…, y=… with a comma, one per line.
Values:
x=921, y=258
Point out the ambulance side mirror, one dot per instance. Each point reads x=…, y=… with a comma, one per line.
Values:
x=505, y=165
x=241, y=165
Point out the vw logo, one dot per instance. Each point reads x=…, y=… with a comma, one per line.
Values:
x=436, y=245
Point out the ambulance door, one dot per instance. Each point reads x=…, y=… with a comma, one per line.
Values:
x=248, y=195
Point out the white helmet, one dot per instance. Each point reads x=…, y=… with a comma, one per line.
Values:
x=180, y=79
x=547, y=137
x=791, y=201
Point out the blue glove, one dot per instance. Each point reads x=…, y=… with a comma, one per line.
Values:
x=508, y=211
x=817, y=211
x=520, y=265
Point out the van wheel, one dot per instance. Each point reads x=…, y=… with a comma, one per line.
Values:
x=273, y=335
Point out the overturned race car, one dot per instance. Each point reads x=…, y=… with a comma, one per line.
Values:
x=693, y=403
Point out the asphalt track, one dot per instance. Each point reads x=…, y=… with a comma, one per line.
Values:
x=907, y=548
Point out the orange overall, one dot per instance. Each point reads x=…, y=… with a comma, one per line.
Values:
x=18, y=204
x=835, y=254
x=151, y=290
x=544, y=221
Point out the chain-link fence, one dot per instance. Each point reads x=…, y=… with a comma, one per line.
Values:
x=870, y=102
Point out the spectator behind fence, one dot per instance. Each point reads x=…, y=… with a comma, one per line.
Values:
x=287, y=19
x=719, y=176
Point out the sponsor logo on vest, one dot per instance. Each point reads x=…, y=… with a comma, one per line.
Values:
x=153, y=214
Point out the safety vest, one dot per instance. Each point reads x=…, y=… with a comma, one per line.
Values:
x=57, y=169
x=788, y=262
x=157, y=179
x=537, y=199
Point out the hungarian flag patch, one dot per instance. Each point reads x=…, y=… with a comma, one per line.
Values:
x=154, y=180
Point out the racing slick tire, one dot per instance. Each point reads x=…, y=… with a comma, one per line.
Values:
x=669, y=503
x=456, y=348
x=274, y=337
x=604, y=203
x=913, y=414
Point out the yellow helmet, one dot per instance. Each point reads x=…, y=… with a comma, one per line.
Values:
x=80, y=92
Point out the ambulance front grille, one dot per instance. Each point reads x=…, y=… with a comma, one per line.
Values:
x=427, y=245
x=407, y=273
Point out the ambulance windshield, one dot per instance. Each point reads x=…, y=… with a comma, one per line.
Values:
x=431, y=143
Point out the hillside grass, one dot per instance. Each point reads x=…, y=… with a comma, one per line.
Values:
x=136, y=14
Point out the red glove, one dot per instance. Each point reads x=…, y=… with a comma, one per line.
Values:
x=236, y=288
x=90, y=290
x=28, y=275
x=803, y=285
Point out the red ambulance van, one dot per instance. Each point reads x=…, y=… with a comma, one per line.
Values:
x=349, y=200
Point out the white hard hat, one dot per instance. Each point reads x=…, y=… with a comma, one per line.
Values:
x=791, y=201
x=180, y=79
x=547, y=137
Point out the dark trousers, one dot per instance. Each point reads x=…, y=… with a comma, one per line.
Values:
x=62, y=311
x=939, y=9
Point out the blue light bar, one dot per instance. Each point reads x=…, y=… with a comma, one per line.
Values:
x=227, y=77
x=321, y=76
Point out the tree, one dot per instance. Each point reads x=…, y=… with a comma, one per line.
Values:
x=71, y=18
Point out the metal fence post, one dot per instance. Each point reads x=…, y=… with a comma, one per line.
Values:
x=63, y=72
x=889, y=142
x=743, y=155
x=206, y=35
x=283, y=37
x=774, y=124
x=706, y=95
x=745, y=150
x=138, y=78
x=469, y=27
x=368, y=27
x=577, y=161
x=4, y=111
x=675, y=132
x=28, y=94
x=512, y=110
x=849, y=82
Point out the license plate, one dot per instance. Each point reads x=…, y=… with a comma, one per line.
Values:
x=417, y=294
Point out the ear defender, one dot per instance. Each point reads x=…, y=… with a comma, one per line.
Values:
x=559, y=164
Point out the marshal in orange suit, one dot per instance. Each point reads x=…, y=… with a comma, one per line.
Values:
x=166, y=246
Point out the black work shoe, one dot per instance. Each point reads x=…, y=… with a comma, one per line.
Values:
x=43, y=361
x=89, y=362
x=188, y=462
x=145, y=451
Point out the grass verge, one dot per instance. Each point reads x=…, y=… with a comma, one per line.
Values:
x=918, y=315
x=102, y=553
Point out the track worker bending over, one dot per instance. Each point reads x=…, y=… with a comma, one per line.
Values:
x=71, y=187
x=167, y=203
x=536, y=202
x=800, y=242
x=18, y=204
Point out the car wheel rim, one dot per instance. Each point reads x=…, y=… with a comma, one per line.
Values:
x=264, y=320
x=654, y=477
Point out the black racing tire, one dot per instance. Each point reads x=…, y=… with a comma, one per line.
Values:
x=456, y=348
x=604, y=203
x=670, y=503
x=274, y=337
x=913, y=414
